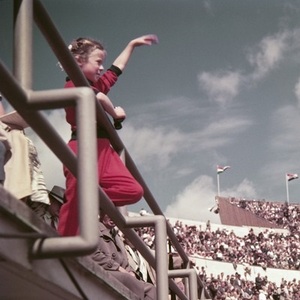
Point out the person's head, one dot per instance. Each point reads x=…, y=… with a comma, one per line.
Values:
x=106, y=220
x=89, y=55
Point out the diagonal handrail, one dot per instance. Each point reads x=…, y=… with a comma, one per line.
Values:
x=58, y=46
x=17, y=90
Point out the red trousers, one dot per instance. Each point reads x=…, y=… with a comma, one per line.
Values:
x=114, y=178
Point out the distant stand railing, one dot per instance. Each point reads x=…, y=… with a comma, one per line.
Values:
x=17, y=89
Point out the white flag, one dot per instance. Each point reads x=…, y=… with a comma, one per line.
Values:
x=222, y=169
x=290, y=177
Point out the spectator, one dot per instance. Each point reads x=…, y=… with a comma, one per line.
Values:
x=267, y=247
x=202, y=274
x=259, y=282
x=112, y=256
x=143, y=212
x=247, y=289
x=23, y=171
x=56, y=196
x=175, y=263
x=142, y=269
x=283, y=214
x=5, y=147
x=262, y=293
x=213, y=289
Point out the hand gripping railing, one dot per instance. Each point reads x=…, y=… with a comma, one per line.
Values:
x=18, y=91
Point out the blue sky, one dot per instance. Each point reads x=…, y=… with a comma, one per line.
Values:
x=221, y=87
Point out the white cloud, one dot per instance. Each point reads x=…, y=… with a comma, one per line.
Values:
x=221, y=87
x=184, y=171
x=156, y=147
x=224, y=86
x=194, y=201
x=225, y=125
x=152, y=147
x=243, y=190
x=222, y=132
x=270, y=52
x=51, y=166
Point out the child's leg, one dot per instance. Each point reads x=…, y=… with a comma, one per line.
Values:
x=115, y=179
x=68, y=214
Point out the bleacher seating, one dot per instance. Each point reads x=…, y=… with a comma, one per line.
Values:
x=256, y=239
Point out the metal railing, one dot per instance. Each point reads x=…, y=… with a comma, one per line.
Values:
x=17, y=89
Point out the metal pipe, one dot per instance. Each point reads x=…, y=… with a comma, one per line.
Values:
x=154, y=206
x=85, y=99
x=192, y=276
x=26, y=99
x=23, y=12
x=57, y=44
x=11, y=89
x=174, y=287
x=107, y=205
x=68, y=63
x=87, y=175
x=87, y=186
x=161, y=259
x=159, y=262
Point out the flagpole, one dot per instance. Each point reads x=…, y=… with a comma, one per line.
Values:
x=218, y=183
x=287, y=190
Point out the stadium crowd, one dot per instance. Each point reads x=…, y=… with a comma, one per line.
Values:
x=234, y=287
x=268, y=249
x=283, y=214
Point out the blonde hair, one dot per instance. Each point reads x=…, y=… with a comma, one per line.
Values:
x=83, y=47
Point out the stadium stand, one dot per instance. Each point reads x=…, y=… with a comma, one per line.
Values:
x=231, y=214
x=257, y=242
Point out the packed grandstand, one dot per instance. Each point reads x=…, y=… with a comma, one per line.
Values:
x=254, y=254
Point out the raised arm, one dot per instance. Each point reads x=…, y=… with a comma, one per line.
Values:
x=122, y=60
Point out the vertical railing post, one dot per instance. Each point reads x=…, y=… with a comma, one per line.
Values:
x=192, y=283
x=23, y=24
x=161, y=258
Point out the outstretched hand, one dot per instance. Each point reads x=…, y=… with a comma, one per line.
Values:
x=148, y=39
x=122, y=60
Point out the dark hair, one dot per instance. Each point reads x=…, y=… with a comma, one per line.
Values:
x=84, y=46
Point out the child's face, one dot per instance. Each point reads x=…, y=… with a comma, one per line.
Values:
x=93, y=66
